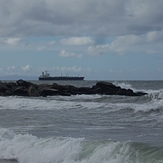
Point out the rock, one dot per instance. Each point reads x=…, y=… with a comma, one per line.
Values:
x=97, y=90
x=85, y=90
x=25, y=83
x=140, y=93
x=24, y=88
x=48, y=92
x=42, y=87
x=3, y=88
x=32, y=91
x=71, y=89
x=8, y=93
x=105, y=85
x=128, y=92
x=21, y=91
x=59, y=87
x=6, y=89
x=64, y=90
x=107, y=88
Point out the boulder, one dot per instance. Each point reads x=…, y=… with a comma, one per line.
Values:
x=59, y=87
x=48, y=92
x=107, y=88
x=97, y=90
x=6, y=89
x=71, y=89
x=11, y=85
x=127, y=92
x=32, y=91
x=21, y=91
x=8, y=93
x=41, y=87
x=140, y=93
x=105, y=85
x=25, y=83
x=3, y=88
x=64, y=90
x=85, y=90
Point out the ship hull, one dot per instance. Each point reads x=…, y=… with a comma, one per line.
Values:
x=61, y=78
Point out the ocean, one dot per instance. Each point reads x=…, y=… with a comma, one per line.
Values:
x=84, y=128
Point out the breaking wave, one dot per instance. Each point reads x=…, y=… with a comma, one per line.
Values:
x=26, y=148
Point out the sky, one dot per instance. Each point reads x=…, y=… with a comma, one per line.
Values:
x=97, y=39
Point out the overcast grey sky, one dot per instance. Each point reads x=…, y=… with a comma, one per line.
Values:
x=98, y=39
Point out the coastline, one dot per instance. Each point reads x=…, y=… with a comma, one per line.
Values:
x=8, y=161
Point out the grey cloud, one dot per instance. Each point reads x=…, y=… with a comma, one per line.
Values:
x=144, y=16
x=77, y=18
x=41, y=12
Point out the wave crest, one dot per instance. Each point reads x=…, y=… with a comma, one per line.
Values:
x=28, y=149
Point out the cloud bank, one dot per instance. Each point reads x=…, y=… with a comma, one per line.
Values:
x=76, y=17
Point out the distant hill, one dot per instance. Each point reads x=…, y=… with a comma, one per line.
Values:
x=17, y=77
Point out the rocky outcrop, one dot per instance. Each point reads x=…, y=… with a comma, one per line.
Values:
x=3, y=88
x=24, y=88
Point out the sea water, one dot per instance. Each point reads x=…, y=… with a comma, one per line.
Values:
x=84, y=128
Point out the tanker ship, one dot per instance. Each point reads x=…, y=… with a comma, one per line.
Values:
x=46, y=76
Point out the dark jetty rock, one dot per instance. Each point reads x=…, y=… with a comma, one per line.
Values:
x=25, y=88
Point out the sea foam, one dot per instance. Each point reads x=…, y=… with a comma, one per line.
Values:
x=26, y=148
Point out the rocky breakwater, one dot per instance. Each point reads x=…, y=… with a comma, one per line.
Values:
x=25, y=88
